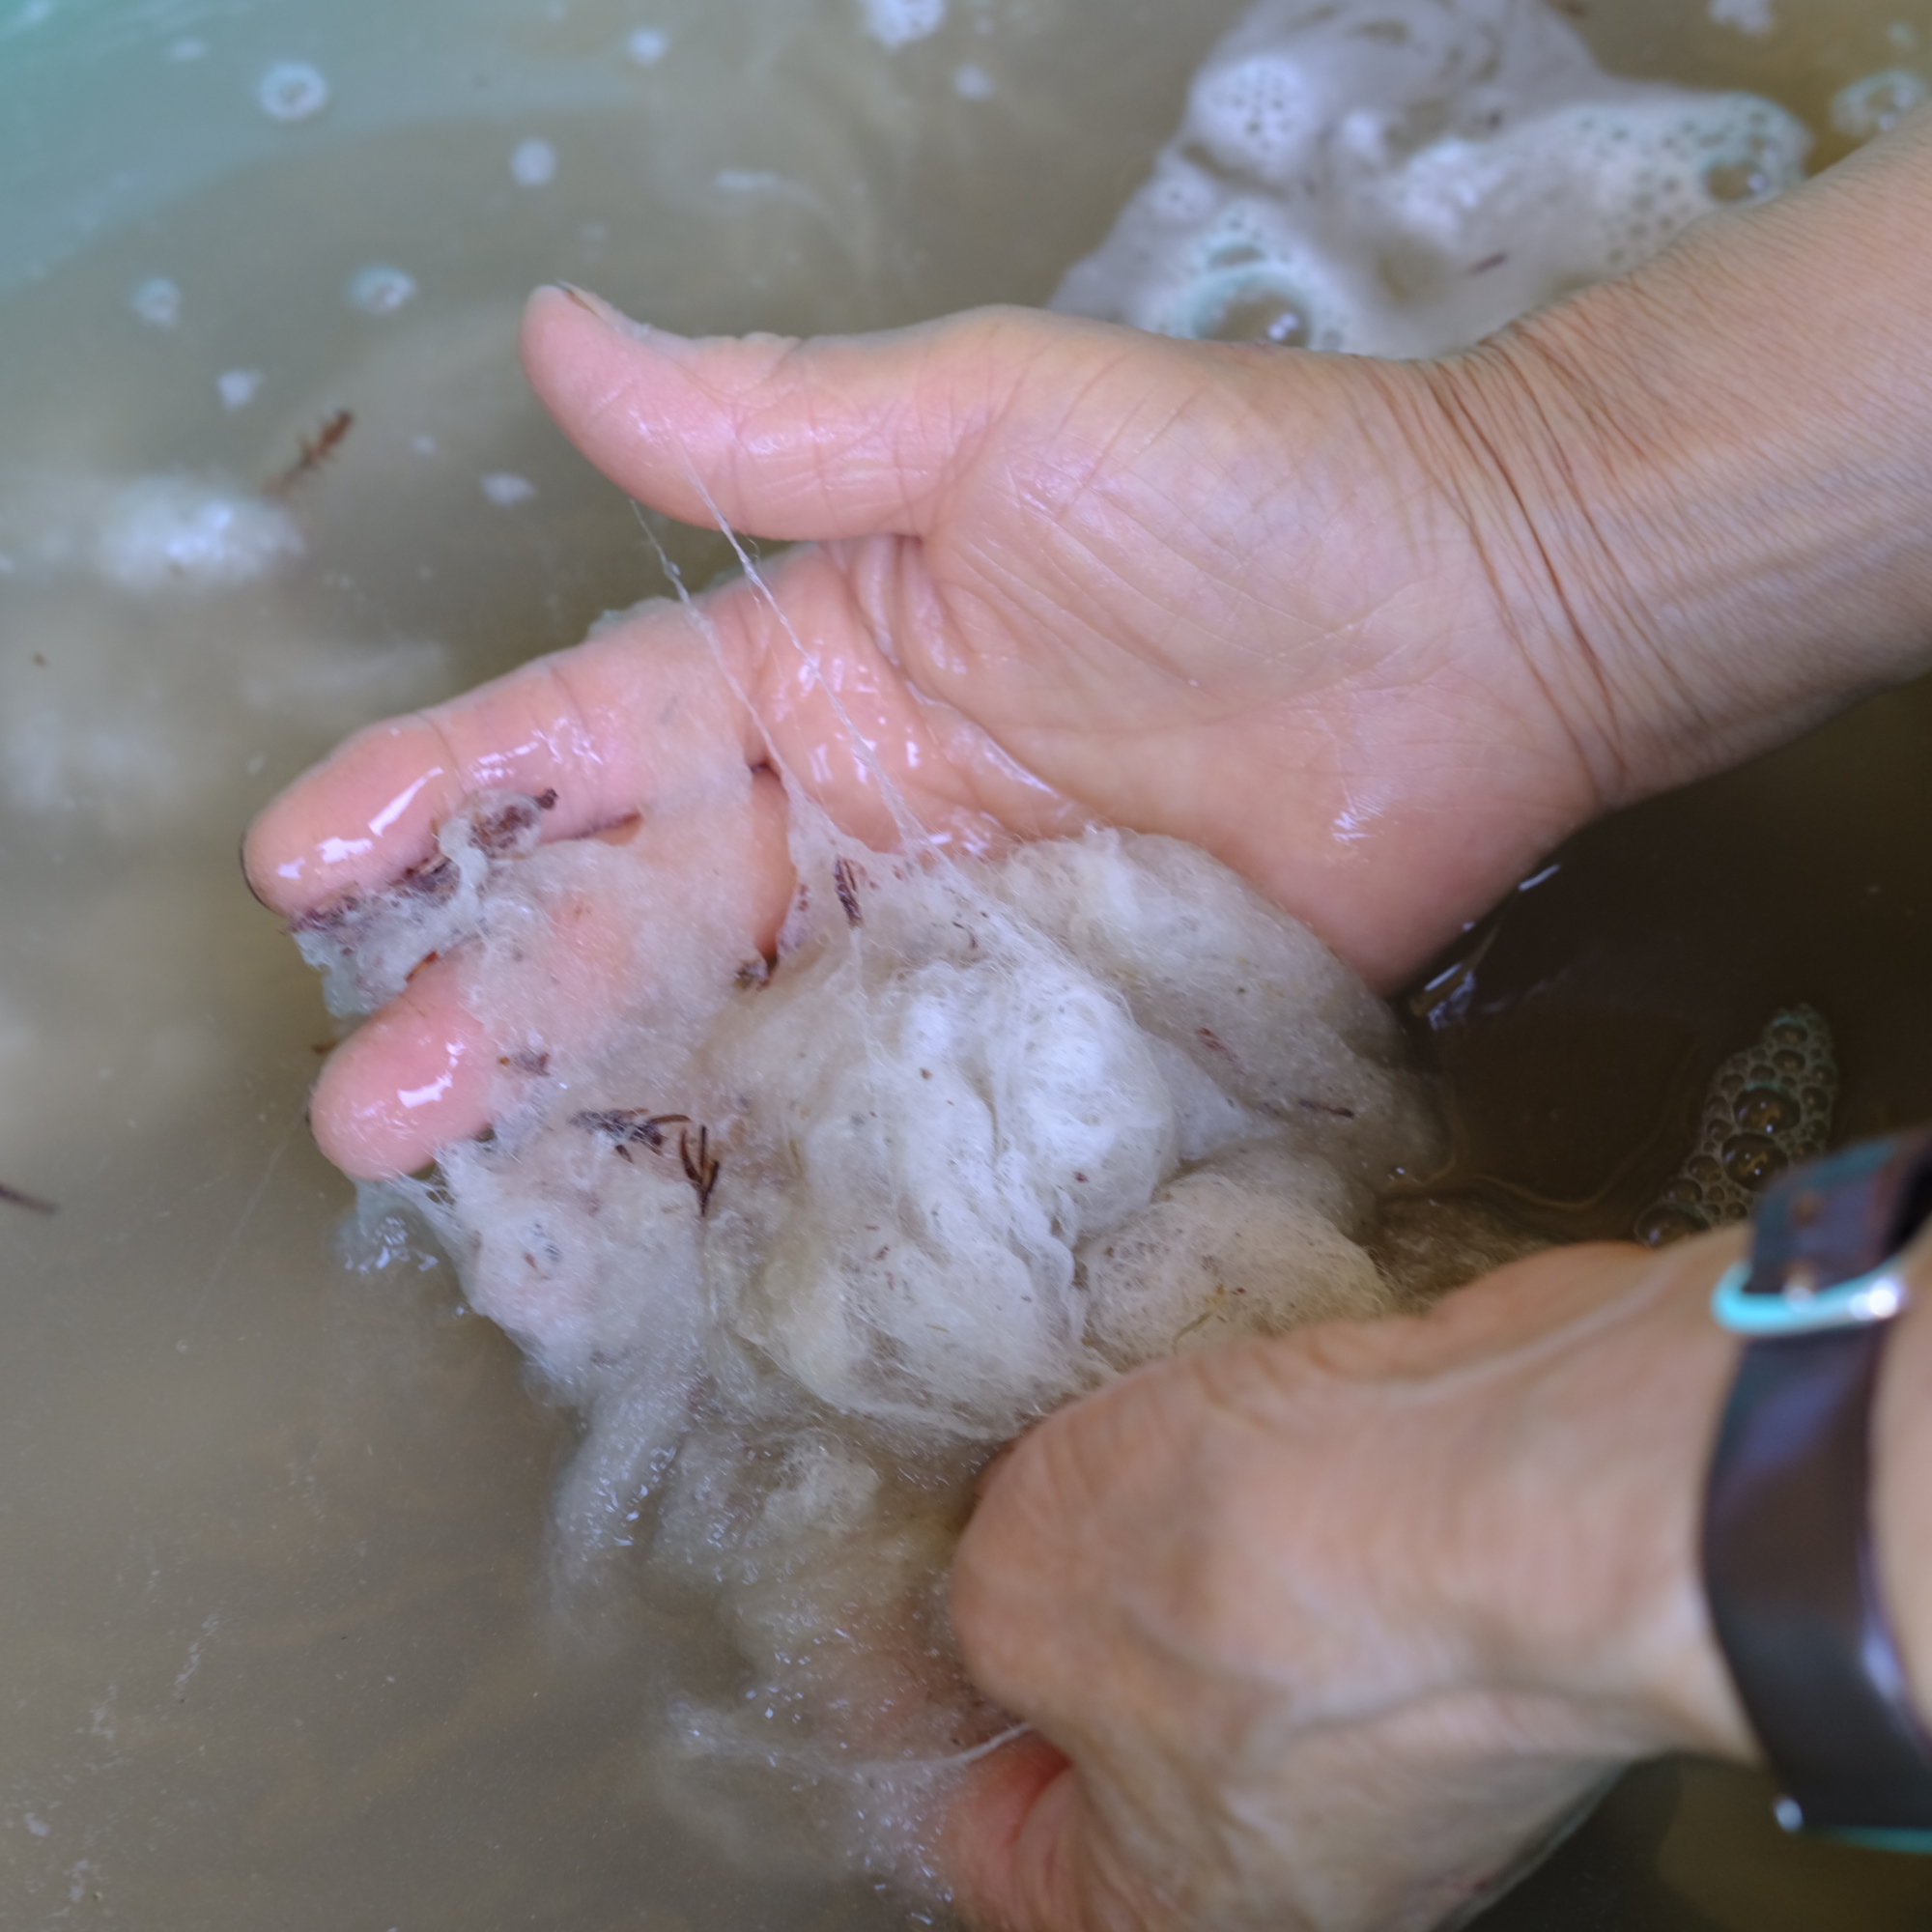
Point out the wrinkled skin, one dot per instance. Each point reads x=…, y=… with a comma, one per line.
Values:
x=1314, y=1633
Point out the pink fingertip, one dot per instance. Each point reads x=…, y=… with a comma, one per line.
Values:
x=408, y=1083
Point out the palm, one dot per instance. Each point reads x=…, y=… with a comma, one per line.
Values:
x=1065, y=574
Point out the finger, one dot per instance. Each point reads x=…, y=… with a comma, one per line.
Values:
x=428, y=1071
x=836, y=437
x=1008, y=1846
x=570, y=728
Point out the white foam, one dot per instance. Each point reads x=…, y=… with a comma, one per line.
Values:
x=1402, y=176
x=190, y=534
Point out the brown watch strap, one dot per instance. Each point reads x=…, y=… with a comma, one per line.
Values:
x=1790, y=1570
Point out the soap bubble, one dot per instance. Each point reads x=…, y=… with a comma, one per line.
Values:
x=238, y=387
x=505, y=487
x=648, y=46
x=1868, y=107
x=1253, y=309
x=972, y=83
x=897, y=23
x=158, y=301
x=533, y=163
x=1747, y=16
x=378, y=289
x=292, y=90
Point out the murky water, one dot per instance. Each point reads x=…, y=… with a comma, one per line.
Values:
x=283, y=1646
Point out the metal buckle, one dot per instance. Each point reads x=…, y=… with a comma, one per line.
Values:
x=1800, y=1308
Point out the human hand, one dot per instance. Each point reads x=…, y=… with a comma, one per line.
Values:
x=1204, y=591
x=1331, y=1626
x=1376, y=635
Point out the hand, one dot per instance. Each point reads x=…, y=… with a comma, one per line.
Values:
x=1212, y=593
x=1377, y=634
x=1331, y=1626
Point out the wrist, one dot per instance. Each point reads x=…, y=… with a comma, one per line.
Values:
x=1703, y=487
x=1589, y=1464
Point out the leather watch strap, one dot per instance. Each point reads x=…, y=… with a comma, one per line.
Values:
x=1789, y=1565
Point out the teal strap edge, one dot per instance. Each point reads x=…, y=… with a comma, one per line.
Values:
x=1874, y=1838
x=1876, y=1296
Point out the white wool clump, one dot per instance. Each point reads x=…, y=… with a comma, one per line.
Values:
x=190, y=533
x=1403, y=176
x=814, y=1236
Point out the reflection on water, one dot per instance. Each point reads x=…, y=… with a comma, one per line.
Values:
x=285, y=1648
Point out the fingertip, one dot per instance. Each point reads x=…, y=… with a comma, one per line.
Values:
x=415, y=1078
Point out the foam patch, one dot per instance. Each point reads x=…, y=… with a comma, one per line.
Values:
x=1403, y=176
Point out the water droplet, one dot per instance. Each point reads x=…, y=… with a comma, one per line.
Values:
x=292, y=90
x=1751, y=1160
x=1765, y=1109
x=379, y=289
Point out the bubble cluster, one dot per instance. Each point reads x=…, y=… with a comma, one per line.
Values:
x=1402, y=176
x=185, y=534
x=292, y=90
x=378, y=289
x=1765, y=1109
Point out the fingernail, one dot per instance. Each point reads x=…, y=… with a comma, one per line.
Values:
x=662, y=339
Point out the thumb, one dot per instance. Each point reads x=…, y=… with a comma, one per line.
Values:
x=834, y=436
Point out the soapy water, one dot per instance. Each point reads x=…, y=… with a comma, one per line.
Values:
x=160, y=718
x=806, y=1240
